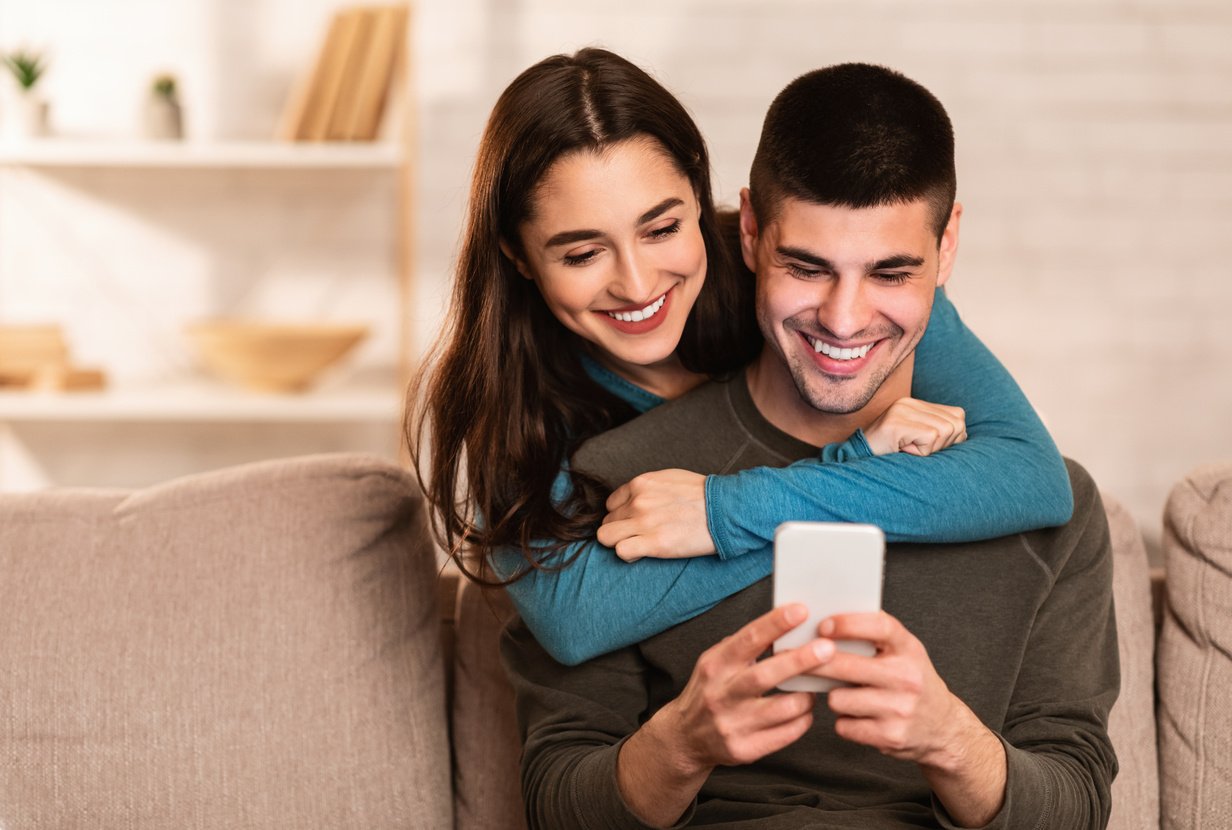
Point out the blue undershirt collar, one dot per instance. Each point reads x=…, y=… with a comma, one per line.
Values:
x=626, y=390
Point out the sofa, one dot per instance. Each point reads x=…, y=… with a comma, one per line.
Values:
x=279, y=645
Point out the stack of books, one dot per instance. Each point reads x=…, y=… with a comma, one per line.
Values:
x=344, y=96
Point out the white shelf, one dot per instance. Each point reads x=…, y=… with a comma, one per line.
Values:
x=262, y=155
x=201, y=401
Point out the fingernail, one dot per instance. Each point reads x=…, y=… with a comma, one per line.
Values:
x=826, y=628
x=795, y=614
x=823, y=649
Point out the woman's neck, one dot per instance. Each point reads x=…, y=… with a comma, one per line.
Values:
x=668, y=378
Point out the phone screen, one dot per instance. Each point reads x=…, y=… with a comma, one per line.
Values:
x=831, y=568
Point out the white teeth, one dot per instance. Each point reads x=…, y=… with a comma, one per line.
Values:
x=836, y=353
x=640, y=315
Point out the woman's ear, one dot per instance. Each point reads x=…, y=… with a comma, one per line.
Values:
x=507, y=250
x=748, y=230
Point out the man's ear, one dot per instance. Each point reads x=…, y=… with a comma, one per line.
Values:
x=507, y=250
x=748, y=230
x=948, y=250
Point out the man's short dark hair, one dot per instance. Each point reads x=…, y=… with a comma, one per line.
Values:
x=855, y=135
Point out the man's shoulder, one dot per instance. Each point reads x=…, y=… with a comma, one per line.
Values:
x=1086, y=533
x=693, y=432
x=1086, y=493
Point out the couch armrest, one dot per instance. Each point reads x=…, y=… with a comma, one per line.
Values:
x=1195, y=652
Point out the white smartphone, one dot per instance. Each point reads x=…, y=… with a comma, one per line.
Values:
x=832, y=568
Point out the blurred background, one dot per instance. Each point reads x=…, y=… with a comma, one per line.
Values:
x=1094, y=161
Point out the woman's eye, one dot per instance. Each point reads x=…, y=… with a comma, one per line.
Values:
x=666, y=230
x=582, y=258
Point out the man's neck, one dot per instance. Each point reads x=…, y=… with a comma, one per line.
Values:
x=779, y=401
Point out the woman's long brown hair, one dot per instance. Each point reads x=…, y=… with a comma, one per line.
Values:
x=505, y=398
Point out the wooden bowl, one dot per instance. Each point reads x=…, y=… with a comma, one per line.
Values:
x=32, y=348
x=272, y=357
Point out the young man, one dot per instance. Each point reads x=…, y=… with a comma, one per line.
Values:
x=996, y=665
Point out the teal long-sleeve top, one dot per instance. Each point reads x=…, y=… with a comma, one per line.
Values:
x=1006, y=478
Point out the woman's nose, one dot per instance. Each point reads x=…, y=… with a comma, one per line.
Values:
x=635, y=279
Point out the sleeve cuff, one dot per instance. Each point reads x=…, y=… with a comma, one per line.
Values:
x=714, y=512
x=604, y=805
x=854, y=448
x=1027, y=788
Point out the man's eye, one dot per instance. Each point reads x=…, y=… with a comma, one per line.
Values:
x=582, y=258
x=666, y=230
x=801, y=272
x=893, y=278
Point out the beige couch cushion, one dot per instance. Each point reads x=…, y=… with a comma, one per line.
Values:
x=256, y=647
x=487, y=746
x=1195, y=653
x=1135, y=792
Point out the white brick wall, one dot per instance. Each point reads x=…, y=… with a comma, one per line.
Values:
x=1095, y=162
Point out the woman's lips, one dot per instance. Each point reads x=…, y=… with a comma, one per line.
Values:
x=658, y=313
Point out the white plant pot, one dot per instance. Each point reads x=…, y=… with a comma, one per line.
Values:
x=164, y=120
x=30, y=116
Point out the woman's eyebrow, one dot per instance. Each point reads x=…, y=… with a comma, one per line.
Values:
x=659, y=209
x=570, y=237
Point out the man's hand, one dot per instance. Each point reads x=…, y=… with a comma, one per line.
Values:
x=660, y=514
x=916, y=427
x=724, y=716
x=900, y=706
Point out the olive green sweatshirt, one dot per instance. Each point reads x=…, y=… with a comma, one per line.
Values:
x=1020, y=628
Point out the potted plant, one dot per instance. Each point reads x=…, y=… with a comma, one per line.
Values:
x=27, y=68
x=164, y=117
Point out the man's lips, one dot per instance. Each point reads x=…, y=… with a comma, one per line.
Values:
x=834, y=359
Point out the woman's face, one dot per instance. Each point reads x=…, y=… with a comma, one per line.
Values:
x=616, y=249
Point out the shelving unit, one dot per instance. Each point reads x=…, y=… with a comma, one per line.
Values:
x=348, y=410
x=257, y=155
x=122, y=241
x=200, y=400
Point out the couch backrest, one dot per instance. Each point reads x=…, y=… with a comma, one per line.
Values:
x=486, y=744
x=1195, y=653
x=1131, y=726
x=256, y=647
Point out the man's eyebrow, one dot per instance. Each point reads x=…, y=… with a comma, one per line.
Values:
x=805, y=256
x=890, y=262
x=897, y=261
x=570, y=237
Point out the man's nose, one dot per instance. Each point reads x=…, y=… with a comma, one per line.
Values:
x=845, y=311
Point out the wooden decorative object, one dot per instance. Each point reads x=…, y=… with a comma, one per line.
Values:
x=345, y=94
x=27, y=348
x=272, y=357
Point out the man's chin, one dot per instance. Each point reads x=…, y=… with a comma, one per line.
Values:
x=831, y=401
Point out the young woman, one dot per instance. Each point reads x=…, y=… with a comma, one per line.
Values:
x=594, y=283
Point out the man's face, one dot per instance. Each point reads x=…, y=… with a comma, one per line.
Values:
x=844, y=294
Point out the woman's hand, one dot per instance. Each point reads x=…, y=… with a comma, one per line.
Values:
x=660, y=514
x=916, y=427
